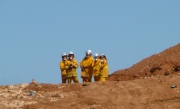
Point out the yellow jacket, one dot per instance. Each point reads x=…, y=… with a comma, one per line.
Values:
x=96, y=67
x=86, y=67
x=104, y=71
x=63, y=66
x=71, y=68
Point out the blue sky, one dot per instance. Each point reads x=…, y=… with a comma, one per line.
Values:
x=34, y=34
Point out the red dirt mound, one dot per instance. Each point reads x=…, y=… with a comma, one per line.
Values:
x=164, y=63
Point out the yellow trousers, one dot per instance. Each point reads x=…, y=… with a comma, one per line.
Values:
x=74, y=78
x=103, y=79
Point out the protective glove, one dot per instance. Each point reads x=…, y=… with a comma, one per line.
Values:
x=102, y=61
x=70, y=66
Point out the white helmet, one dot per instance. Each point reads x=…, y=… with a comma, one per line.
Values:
x=96, y=55
x=71, y=53
x=102, y=56
x=88, y=53
x=64, y=54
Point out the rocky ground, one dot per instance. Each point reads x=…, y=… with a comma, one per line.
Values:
x=152, y=83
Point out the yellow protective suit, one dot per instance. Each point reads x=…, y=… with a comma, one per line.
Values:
x=71, y=73
x=63, y=66
x=96, y=69
x=104, y=71
x=86, y=69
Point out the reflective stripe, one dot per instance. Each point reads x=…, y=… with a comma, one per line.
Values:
x=105, y=68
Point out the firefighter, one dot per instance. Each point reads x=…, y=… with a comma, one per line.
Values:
x=63, y=67
x=104, y=68
x=72, y=65
x=86, y=67
x=96, y=67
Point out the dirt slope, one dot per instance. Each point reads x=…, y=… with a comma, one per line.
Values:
x=152, y=83
x=164, y=63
